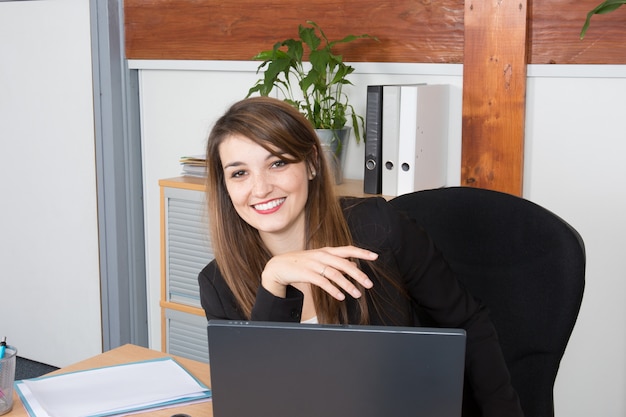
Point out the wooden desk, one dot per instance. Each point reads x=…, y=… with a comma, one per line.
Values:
x=132, y=353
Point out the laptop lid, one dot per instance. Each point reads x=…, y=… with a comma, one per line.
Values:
x=308, y=370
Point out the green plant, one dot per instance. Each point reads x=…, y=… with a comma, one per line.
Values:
x=602, y=8
x=320, y=83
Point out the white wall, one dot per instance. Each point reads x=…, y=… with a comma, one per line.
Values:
x=573, y=166
x=49, y=271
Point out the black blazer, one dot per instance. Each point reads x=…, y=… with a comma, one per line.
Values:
x=435, y=298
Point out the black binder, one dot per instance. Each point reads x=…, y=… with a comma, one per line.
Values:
x=372, y=177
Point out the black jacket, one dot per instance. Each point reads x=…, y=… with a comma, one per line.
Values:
x=435, y=298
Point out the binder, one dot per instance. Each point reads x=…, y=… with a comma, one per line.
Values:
x=372, y=176
x=423, y=137
x=407, y=133
x=390, y=126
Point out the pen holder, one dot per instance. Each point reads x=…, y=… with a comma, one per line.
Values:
x=7, y=378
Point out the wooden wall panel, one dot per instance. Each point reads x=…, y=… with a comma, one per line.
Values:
x=494, y=92
x=555, y=28
x=409, y=31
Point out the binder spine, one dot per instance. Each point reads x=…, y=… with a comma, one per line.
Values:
x=372, y=176
x=407, y=138
x=390, y=122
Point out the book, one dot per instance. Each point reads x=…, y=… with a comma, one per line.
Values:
x=372, y=176
x=112, y=390
x=193, y=160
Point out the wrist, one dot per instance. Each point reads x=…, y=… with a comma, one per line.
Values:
x=272, y=286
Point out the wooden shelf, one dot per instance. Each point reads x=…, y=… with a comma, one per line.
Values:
x=187, y=183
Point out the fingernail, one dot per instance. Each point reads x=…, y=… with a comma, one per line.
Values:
x=340, y=296
x=356, y=293
x=368, y=283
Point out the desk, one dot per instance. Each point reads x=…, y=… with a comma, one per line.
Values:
x=132, y=353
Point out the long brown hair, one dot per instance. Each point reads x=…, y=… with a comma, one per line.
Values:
x=239, y=251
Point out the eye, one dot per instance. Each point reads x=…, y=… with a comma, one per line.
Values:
x=238, y=174
x=279, y=163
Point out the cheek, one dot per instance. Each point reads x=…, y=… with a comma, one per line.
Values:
x=236, y=193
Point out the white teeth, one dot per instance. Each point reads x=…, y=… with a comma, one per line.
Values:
x=269, y=205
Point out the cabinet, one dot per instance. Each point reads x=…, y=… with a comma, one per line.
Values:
x=185, y=250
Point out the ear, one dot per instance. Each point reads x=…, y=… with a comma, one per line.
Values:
x=313, y=164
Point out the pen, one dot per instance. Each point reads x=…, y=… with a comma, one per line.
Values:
x=3, y=346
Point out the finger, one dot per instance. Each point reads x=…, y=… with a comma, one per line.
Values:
x=337, y=279
x=352, y=252
x=342, y=268
x=327, y=285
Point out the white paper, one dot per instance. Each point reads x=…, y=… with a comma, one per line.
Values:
x=113, y=390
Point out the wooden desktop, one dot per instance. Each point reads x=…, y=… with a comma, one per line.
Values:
x=132, y=353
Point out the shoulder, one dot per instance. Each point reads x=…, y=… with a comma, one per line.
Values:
x=371, y=219
x=363, y=206
x=211, y=277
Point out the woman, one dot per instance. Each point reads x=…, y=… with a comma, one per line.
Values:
x=287, y=249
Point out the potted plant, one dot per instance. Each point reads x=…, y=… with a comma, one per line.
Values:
x=314, y=87
x=602, y=8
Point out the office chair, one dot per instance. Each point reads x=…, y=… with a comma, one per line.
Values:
x=526, y=264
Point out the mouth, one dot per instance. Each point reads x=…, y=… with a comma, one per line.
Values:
x=269, y=205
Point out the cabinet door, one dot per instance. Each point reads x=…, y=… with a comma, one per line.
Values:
x=186, y=335
x=187, y=245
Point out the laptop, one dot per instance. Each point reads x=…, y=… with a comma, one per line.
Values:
x=268, y=369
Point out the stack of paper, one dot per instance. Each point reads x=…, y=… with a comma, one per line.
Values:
x=194, y=166
x=111, y=390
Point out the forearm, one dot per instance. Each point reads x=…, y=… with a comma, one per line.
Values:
x=268, y=307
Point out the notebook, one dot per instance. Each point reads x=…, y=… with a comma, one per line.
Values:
x=312, y=370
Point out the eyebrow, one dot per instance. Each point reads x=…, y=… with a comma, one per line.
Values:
x=239, y=163
x=233, y=164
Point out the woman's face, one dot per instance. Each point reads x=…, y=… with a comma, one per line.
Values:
x=267, y=192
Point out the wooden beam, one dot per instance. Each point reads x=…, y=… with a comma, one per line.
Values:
x=494, y=90
x=409, y=30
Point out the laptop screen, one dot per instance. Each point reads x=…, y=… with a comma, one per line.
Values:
x=311, y=370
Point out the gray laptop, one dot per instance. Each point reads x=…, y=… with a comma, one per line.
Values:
x=263, y=369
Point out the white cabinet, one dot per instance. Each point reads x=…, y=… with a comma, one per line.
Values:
x=185, y=250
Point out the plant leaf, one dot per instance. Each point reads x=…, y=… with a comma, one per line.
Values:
x=604, y=7
x=309, y=37
x=323, y=103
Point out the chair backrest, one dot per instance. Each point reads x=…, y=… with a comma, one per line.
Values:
x=526, y=264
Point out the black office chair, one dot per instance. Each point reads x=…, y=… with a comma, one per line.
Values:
x=526, y=264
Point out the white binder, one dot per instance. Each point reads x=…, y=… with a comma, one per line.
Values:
x=390, y=126
x=423, y=137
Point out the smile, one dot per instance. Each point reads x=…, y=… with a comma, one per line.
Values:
x=269, y=205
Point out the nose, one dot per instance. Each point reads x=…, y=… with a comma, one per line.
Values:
x=261, y=185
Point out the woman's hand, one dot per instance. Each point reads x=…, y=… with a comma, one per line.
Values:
x=328, y=268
